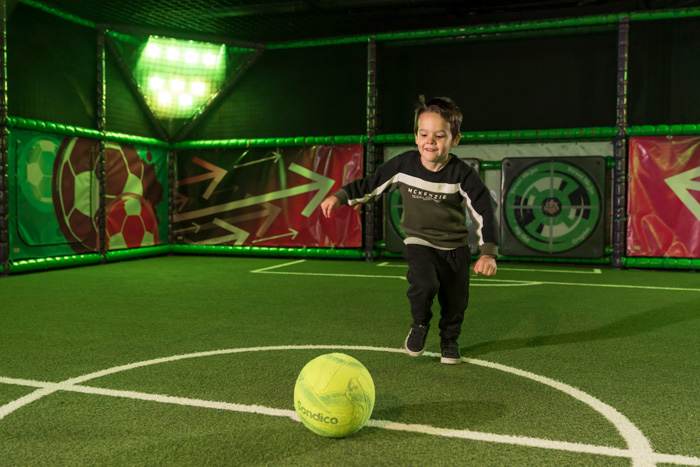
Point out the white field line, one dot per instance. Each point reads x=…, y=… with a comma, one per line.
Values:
x=639, y=451
x=329, y=274
x=382, y=424
x=624, y=286
x=486, y=282
x=268, y=270
x=280, y=265
x=500, y=268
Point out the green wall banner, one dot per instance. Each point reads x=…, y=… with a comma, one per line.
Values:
x=55, y=181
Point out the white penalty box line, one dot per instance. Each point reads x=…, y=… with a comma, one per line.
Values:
x=381, y=424
x=476, y=281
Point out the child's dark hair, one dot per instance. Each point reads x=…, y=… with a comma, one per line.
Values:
x=442, y=106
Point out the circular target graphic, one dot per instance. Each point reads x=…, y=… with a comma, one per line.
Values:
x=552, y=206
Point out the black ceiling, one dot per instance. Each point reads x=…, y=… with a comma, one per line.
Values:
x=270, y=21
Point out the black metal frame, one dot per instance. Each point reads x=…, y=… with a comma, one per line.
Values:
x=372, y=211
x=4, y=159
x=620, y=150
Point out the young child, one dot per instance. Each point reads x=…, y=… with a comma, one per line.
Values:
x=436, y=188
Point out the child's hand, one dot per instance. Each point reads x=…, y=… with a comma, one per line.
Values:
x=486, y=265
x=329, y=205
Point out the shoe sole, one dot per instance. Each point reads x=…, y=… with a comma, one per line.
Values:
x=450, y=361
x=411, y=352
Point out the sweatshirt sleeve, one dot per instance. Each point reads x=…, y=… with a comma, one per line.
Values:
x=480, y=209
x=370, y=188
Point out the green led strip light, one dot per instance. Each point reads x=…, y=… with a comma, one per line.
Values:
x=600, y=133
x=269, y=251
x=662, y=263
x=663, y=130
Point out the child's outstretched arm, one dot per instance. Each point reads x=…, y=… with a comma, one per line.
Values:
x=329, y=205
x=486, y=265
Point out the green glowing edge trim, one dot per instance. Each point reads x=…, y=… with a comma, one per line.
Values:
x=42, y=264
x=469, y=137
x=69, y=130
x=663, y=130
x=661, y=263
x=339, y=253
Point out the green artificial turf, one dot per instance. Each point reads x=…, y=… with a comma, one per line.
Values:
x=626, y=338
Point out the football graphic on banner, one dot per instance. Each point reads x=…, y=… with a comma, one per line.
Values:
x=131, y=195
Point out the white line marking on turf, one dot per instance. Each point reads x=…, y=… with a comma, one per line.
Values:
x=639, y=449
x=558, y=271
x=500, y=268
x=279, y=265
x=487, y=282
x=624, y=286
x=329, y=274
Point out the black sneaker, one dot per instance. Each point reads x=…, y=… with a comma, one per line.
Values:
x=450, y=353
x=415, y=341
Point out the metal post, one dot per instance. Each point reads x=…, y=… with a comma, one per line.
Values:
x=371, y=209
x=101, y=115
x=4, y=158
x=171, y=195
x=620, y=149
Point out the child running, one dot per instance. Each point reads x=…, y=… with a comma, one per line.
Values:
x=438, y=191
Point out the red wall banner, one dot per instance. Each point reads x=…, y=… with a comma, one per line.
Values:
x=266, y=196
x=664, y=197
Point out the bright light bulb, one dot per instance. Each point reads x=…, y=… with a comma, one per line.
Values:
x=198, y=88
x=209, y=59
x=152, y=50
x=156, y=82
x=172, y=54
x=177, y=85
x=191, y=56
x=185, y=100
x=165, y=98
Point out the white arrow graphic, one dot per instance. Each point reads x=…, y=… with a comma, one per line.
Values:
x=194, y=227
x=293, y=233
x=216, y=174
x=682, y=184
x=269, y=212
x=239, y=235
x=275, y=157
x=322, y=185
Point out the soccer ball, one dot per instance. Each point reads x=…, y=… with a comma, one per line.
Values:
x=75, y=192
x=131, y=194
x=35, y=172
x=334, y=395
x=131, y=223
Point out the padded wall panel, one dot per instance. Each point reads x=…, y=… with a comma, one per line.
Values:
x=553, y=207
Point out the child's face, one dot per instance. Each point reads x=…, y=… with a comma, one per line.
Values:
x=434, y=140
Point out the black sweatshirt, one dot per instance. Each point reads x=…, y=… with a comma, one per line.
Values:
x=433, y=202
